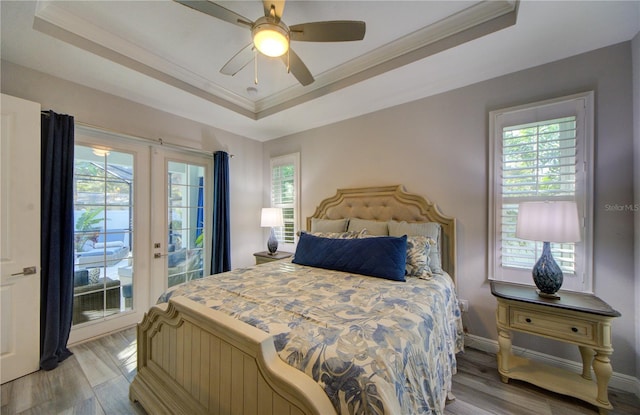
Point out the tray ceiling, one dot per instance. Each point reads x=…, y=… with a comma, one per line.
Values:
x=169, y=56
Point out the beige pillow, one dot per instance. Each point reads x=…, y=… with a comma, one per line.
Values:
x=373, y=227
x=428, y=229
x=328, y=225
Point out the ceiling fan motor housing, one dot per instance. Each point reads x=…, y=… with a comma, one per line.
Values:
x=270, y=37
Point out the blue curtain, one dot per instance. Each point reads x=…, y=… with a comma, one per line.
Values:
x=200, y=210
x=56, y=237
x=220, y=246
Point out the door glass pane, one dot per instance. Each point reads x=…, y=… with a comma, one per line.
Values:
x=103, y=213
x=186, y=222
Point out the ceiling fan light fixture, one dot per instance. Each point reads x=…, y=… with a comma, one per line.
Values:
x=271, y=39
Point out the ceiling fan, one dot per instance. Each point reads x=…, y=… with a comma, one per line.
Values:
x=272, y=37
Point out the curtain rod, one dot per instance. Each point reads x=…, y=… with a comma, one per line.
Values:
x=159, y=141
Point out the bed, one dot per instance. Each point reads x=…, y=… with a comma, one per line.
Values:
x=288, y=338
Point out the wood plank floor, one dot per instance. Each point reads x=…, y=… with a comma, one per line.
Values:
x=95, y=380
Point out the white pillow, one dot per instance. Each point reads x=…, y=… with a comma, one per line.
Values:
x=328, y=225
x=373, y=227
x=428, y=229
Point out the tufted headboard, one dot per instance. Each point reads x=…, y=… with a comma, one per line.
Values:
x=391, y=203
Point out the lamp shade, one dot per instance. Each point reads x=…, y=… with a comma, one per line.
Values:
x=555, y=221
x=271, y=217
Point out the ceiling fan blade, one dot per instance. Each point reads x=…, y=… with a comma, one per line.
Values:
x=277, y=4
x=215, y=10
x=329, y=31
x=239, y=60
x=298, y=68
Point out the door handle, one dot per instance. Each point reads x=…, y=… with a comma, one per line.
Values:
x=25, y=271
x=159, y=255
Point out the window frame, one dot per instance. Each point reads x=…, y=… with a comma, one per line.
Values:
x=582, y=107
x=284, y=160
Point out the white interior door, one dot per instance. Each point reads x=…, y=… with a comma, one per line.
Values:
x=19, y=237
x=181, y=200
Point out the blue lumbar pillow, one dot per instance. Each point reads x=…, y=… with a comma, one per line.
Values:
x=383, y=257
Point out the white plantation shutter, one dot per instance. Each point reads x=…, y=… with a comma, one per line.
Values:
x=284, y=194
x=540, y=152
x=538, y=163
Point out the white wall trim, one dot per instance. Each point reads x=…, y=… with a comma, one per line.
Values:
x=618, y=381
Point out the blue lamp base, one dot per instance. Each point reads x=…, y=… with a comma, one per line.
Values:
x=547, y=274
x=272, y=243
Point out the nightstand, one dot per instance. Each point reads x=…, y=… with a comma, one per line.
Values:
x=262, y=257
x=580, y=319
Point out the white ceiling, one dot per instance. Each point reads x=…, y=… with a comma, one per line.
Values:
x=168, y=56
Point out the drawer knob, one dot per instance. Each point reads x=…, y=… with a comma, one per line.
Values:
x=574, y=329
x=528, y=320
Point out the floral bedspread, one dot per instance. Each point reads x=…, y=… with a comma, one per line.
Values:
x=375, y=346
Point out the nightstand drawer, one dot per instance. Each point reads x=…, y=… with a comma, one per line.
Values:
x=560, y=328
x=264, y=256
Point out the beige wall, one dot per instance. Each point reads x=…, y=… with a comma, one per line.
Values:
x=96, y=108
x=437, y=147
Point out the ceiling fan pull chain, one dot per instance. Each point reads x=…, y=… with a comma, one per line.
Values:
x=255, y=68
x=289, y=60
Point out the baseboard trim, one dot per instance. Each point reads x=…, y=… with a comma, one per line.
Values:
x=618, y=381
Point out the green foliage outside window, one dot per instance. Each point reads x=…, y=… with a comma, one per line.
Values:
x=86, y=225
x=283, y=195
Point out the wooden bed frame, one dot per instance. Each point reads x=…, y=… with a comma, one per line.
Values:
x=195, y=360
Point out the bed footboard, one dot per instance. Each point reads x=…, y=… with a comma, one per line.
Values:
x=195, y=360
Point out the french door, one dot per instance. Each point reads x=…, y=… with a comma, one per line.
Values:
x=182, y=197
x=142, y=225
x=104, y=233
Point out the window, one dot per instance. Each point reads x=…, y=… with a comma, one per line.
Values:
x=538, y=152
x=285, y=185
x=185, y=237
x=103, y=194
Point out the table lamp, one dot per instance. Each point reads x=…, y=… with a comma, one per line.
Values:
x=270, y=218
x=547, y=222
